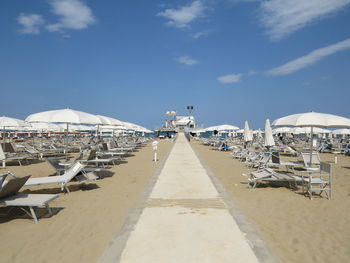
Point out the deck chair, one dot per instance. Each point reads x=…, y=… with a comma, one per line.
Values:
x=269, y=175
x=9, y=197
x=93, y=158
x=276, y=161
x=4, y=158
x=316, y=160
x=319, y=181
x=63, y=180
x=55, y=164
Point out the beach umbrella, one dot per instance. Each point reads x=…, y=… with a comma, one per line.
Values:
x=341, y=132
x=282, y=130
x=67, y=116
x=223, y=127
x=307, y=130
x=109, y=121
x=269, y=141
x=259, y=134
x=44, y=126
x=313, y=119
x=248, y=137
x=8, y=122
x=12, y=122
x=64, y=116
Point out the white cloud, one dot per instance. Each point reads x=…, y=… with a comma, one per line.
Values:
x=183, y=16
x=73, y=15
x=30, y=23
x=230, y=78
x=199, y=34
x=283, y=17
x=309, y=59
x=187, y=60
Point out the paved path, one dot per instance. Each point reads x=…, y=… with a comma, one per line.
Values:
x=185, y=219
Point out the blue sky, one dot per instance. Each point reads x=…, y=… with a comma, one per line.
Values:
x=233, y=60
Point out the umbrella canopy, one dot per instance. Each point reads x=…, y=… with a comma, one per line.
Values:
x=313, y=119
x=248, y=137
x=12, y=122
x=44, y=126
x=341, y=131
x=109, y=121
x=307, y=130
x=224, y=127
x=282, y=130
x=64, y=116
x=269, y=141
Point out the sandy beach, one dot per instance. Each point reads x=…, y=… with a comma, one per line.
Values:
x=85, y=220
x=294, y=227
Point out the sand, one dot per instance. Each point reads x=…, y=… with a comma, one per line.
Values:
x=294, y=227
x=85, y=220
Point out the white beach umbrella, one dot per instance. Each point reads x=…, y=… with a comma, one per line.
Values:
x=269, y=141
x=64, y=116
x=109, y=121
x=44, y=126
x=341, y=132
x=248, y=137
x=223, y=127
x=307, y=130
x=313, y=119
x=282, y=130
x=12, y=122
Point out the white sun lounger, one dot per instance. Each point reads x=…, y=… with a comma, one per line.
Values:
x=9, y=196
x=63, y=180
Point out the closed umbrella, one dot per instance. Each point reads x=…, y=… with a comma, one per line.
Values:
x=269, y=141
x=248, y=137
x=313, y=119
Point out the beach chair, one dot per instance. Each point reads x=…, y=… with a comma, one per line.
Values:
x=4, y=158
x=319, y=181
x=276, y=161
x=290, y=150
x=316, y=160
x=93, y=158
x=64, y=179
x=9, y=197
x=269, y=175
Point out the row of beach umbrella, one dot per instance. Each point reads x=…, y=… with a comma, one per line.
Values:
x=69, y=120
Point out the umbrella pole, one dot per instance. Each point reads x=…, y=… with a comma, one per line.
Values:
x=311, y=145
x=3, y=138
x=67, y=141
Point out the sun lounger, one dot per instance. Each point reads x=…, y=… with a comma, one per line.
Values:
x=4, y=158
x=276, y=161
x=9, y=196
x=63, y=180
x=269, y=175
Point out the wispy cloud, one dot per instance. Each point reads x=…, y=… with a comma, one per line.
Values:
x=74, y=14
x=199, y=34
x=30, y=23
x=183, y=16
x=187, y=60
x=310, y=58
x=283, y=17
x=230, y=78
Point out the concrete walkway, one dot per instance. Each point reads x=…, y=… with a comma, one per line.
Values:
x=185, y=220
